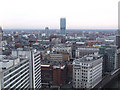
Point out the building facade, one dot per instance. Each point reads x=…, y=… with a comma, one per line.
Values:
x=80, y=52
x=59, y=57
x=87, y=71
x=61, y=48
x=35, y=65
x=15, y=72
x=59, y=75
x=110, y=60
x=62, y=26
x=46, y=76
x=46, y=31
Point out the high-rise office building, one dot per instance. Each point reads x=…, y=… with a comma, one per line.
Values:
x=118, y=41
x=110, y=61
x=118, y=38
x=14, y=72
x=35, y=65
x=62, y=26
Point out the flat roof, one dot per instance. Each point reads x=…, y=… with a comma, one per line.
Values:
x=88, y=58
x=45, y=65
x=10, y=58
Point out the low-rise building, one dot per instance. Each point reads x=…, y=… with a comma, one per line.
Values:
x=59, y=56
x=63, y=48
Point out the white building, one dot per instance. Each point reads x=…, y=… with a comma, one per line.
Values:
x=62, y=48
x=80, y=52
x=14, y=72
x=87, y=71
x=35, y=65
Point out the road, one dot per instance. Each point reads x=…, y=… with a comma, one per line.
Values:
x=106, y=80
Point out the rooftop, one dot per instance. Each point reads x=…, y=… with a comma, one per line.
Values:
x=61, y=67
x=45, y=65
x=88, y=48
x=9, y=61
x=88, y=58
x=61, y=45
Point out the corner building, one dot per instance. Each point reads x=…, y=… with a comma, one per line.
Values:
x=87, y=71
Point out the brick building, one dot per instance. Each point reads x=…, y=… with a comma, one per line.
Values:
x=54, y=76
x=59, y=75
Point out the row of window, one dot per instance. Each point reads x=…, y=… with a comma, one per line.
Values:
x=17, y=76
x=80, y=86
x=18, y=80
x=12, y=74
x=85, y=80
x=25, y=83
x=14, y=68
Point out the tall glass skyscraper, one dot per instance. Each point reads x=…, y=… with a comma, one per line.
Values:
x=63, y=26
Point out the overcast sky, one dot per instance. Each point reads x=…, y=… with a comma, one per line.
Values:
x=79, y=14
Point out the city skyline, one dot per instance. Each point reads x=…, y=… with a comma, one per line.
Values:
x=48, y=59
x=102, y=14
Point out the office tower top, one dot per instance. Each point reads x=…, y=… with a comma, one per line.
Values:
x=63, y=26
